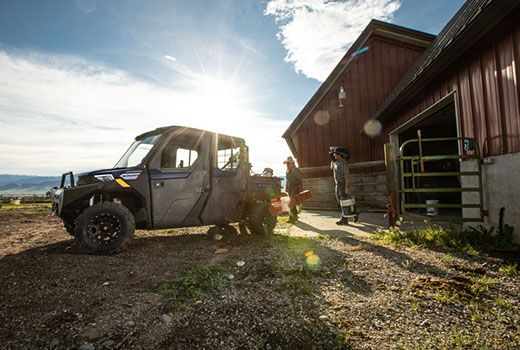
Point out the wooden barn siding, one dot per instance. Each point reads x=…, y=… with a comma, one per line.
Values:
x=367, y=81
x=486, y=80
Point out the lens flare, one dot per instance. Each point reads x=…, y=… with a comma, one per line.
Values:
x=321, y=117
x=311, y=258
x=373, y=128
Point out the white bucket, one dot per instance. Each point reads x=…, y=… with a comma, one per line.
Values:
x=432, y=211
x=285, y=203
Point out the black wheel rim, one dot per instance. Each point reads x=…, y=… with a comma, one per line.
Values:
x=104, y=228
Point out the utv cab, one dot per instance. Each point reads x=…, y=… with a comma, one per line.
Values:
x=169, y=177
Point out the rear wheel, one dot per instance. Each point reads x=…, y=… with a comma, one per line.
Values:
x=260, y=219
x=104, y=228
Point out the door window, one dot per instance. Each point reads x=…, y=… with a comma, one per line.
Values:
x=181, y=152
x=228, y=158
x=186, y=157
x=228, y=153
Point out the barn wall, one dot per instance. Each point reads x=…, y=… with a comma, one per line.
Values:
x=369, y=77
x=486, y=82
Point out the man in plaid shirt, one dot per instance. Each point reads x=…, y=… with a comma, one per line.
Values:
x=340, y=168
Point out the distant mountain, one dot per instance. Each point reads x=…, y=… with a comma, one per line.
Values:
x=27, y=184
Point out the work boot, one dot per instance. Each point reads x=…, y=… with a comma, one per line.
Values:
x=343, y=221
x=356, y=218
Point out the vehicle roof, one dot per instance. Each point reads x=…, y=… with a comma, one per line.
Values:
x=186, y=129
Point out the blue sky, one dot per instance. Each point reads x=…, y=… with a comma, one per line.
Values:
x=91, y=74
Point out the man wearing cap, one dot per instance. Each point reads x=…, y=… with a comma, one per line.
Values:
x=340, y=168
x=293, y=185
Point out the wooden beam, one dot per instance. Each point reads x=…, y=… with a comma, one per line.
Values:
x=350, y=165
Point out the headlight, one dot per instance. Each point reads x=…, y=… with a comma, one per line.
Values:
x=104, y=177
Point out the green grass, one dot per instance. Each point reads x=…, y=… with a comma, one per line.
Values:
x=481, y=285
x=501, y=302
x=305, y=271
x=27, y=207
x=196, y=283
x=472, y=241
x=298, y=285
x=446, y=259
x=444, y=297
x=475, y=317
x=464, y=340
x=342, y=340
x=407, y=264
x=509, y=270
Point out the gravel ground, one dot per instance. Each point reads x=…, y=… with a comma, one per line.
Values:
x=183, y=289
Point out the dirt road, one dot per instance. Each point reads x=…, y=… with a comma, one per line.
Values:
x=183, y=289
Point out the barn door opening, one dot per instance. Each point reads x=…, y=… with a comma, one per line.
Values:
x=430, y=154
x=417, y=186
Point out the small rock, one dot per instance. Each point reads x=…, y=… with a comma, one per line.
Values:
x=198, y=302
x=230, y=276
x=109, y=343
x=166, y=319
x=241, y=263
x=324, y=318
x=221, y=251
x=87, y=346
x=218, y=237
x=54, y=343
x=105, y=284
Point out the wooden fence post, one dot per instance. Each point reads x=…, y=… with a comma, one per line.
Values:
x=392, y=179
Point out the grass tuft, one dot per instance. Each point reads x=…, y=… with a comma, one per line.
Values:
x=196, y=283
x=509, y=270
x=472, y=241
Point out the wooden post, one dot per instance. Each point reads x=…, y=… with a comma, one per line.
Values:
x=392, y=180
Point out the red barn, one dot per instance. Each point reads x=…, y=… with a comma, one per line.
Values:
x=449, y=109
x=368, y=72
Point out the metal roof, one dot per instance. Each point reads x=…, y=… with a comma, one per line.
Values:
x=184, y=129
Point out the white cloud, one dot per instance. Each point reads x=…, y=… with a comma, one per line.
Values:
x=62, y=113
x=317, y=33
x=170, y=58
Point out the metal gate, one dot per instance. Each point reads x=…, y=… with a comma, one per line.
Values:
x=412, y=170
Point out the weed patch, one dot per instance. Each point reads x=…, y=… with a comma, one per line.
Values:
x=472, y=241
x=196, y=283
x=298, y=285
x=509, y=270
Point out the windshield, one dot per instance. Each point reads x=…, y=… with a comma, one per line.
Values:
x=136, y=153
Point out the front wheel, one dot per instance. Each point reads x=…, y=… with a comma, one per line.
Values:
x=260, y=219
x=104, y=228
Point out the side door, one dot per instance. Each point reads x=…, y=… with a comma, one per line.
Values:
x=180, y=179
x=229, y=179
